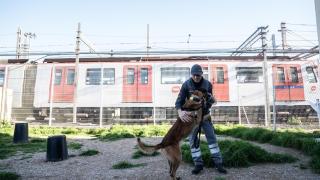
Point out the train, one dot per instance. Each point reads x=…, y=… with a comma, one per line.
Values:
x=144, y=89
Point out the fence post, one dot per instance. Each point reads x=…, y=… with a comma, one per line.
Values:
x=52, y=93
x=101, y=96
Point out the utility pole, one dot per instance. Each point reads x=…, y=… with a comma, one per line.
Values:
x=18, y=46
x=148, y=45
x=283, y=31
x=274, y=46
x=317, y=7
x=28, y=36
x=265, y=74
x=76, y=75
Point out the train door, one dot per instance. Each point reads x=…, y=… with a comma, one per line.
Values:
x=63, y=84
x=220, y=81
x=137, y=83
x=288, y=83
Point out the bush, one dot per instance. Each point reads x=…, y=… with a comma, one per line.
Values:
x=294, y=120
x=293, y=138
x=237, y=154
x=315, y=163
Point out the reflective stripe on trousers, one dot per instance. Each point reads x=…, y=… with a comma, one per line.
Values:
x=212, y=143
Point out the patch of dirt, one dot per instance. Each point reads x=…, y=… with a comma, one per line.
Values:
x=100, y=166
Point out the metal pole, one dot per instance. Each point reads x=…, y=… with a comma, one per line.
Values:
x=154, y=95
x=18, y=46
x=76, y=75
x=4, y=94
x=283, y=31
x=317, y=9
x=52, y=93
x=148, y=45
x=239, y=107
x=101, y=95
x=274, y=46
x=265, y=75
x=318, y=109
x=274, y=105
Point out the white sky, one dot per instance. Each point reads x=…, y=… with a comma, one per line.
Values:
x=122, y=24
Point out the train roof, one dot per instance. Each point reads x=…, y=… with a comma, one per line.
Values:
x=13, y=61
x=188, y=58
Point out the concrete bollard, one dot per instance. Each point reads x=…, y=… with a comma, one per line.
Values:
x=57, y=149
x=21, y=133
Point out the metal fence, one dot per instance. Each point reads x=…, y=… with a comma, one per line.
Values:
x=23, y=87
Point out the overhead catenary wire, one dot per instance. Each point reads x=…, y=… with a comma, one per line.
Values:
x=295, y=34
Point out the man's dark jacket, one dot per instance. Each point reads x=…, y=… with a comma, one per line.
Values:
x=189, y=86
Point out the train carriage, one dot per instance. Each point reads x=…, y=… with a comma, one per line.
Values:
x=132, y=88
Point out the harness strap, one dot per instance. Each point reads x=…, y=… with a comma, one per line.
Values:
x=196, y=141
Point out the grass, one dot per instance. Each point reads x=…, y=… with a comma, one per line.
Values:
x=8, y=148
x=74, y=145
x=292, y=138
x=238, y=154
x=90, y=152
x=219, y=178
x=138, y=154
x=130, y=131
x=126, y=165
x=9, y=176
x=38, y=135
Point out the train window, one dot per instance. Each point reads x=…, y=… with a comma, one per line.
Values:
x=294, y=74
x=70, y=76
x=205, y=72
x=93, y=76
x=220, y=75
x=311, y=75
x=249, y=74
x=130, y=76
x=108, y=76
x=280, y=74
x=1, y=77
x=57, y=77
x=174, y=75
x=144, y=75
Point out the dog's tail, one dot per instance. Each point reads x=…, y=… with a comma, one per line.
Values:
x=148, y=149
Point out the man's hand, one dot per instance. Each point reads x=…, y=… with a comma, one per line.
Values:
x=185, y=116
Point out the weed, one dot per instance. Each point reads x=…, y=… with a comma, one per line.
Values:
x=74, y=145
x=294, y=120
x=90, y=152
x=125, y=165
x=219, y=178
x=138, y=154
x=8, y=176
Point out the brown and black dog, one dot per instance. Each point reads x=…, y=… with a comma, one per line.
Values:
x=170, y=143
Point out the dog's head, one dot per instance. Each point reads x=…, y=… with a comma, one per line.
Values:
x=195, y=101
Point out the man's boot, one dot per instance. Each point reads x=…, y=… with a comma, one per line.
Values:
x=197, y=169
x=221, y=169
